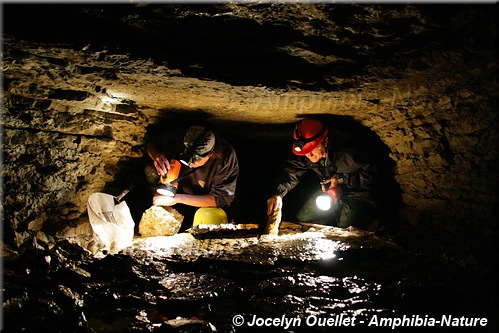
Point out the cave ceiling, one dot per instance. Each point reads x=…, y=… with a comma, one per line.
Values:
x=255, y=62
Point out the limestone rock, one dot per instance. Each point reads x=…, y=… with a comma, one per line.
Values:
x=160, y=221
x=75, y=120
x=273, y=222
x=80, y=232
x=8, y=253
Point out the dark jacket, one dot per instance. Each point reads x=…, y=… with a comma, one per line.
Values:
x=352, y=167
x=217, y=177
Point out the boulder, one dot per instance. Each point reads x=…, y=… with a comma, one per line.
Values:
x=160, y=221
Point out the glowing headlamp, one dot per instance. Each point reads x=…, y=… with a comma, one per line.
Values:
x=298, y=144
x=190, y=156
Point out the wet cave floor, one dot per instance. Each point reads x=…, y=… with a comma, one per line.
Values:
x=304, y=280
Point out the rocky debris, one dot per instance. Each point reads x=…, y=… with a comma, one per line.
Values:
x=8, y=253
x=160, y=221
x=180, y=283
x=80, y=232
x=187, y=325
x=224, y=229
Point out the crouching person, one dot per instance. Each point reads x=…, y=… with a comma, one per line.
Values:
x=198, y=171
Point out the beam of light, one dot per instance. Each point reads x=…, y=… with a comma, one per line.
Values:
x=324, y=202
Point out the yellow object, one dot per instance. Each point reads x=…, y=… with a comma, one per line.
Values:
x=210, y=216
x=168, y=184
x=172, y=174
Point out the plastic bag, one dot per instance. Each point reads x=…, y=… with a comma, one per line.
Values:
x=112, y=223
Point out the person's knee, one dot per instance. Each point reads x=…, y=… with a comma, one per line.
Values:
x=356, y=214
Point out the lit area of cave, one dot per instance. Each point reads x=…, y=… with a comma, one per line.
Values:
x=86, y=85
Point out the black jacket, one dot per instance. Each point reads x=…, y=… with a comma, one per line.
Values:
x=217, y=177
x=355, y=172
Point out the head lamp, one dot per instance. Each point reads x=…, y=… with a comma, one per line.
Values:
x=298, y=144
x=189, y=156
x=186, y=156
x=199, y=142
x=308, y=135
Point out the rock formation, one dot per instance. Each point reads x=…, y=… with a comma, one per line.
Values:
x=82, y=83
x=160, y=221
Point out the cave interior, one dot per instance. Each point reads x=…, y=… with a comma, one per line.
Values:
x=415, y=84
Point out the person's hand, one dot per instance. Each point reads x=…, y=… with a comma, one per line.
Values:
x=274, y=203
x=334, y=189
x=163, y=200
x=161, y=164
x=333, y=183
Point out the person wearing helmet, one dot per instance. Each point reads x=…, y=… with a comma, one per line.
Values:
x=208, y=173
x=345, y=174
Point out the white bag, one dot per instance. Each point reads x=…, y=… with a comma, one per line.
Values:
x=112, y=223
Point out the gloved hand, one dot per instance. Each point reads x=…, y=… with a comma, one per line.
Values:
x=334, y=189
x=335, y=193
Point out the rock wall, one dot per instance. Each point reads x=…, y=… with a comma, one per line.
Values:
x=74, y=113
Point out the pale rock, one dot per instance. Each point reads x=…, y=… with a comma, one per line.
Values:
x=160, y=221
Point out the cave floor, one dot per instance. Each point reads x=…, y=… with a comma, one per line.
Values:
x=301, y=278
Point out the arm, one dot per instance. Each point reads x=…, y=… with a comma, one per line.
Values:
x=292, y=171
x=205, y=200
x=290, y=175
